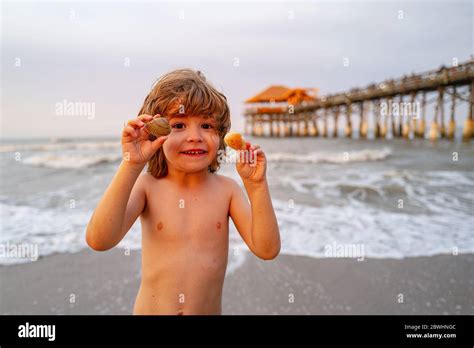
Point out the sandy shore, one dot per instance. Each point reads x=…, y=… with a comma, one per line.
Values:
x=107, y=283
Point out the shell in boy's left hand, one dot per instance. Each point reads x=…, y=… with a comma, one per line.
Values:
x=235, y=141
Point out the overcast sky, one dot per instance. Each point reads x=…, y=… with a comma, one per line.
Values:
x=109, y=53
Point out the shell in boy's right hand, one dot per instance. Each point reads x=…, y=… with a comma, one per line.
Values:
x=158, y=127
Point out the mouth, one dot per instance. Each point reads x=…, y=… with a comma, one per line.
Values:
x=194, y=153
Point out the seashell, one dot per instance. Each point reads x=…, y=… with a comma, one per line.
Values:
x=235, y=141
x=157, y=127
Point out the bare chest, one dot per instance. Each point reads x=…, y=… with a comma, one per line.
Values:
x=199, y=218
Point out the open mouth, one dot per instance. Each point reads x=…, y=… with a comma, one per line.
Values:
x=194, y=152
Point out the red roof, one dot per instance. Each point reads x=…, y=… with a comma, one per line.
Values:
x=281, y=94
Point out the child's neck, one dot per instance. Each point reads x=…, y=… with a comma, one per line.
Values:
x=187, y=179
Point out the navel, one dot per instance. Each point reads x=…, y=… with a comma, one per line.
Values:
x=159, y=226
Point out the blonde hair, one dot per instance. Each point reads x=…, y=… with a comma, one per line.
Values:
x=185, y=91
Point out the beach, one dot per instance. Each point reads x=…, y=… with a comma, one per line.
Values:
x=364, y=112
x=105, y=283
x=403, y=209
x=393, y=198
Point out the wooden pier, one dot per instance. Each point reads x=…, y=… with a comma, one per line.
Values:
x=390, y=109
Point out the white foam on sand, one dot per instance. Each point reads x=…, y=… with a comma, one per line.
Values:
x=364, y=155
x=70, y=162
x=309, y=230
x=52, y=155
x=443, y=224
x=394, y=213
x=50, y=230
x=52, y=146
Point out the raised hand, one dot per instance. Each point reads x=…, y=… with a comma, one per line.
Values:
x=137, y=149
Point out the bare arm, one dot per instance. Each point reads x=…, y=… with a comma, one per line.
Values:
x=256, y=222
x=106, y=227
x=123, y=200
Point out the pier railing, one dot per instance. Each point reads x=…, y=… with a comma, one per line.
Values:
x=406, y=93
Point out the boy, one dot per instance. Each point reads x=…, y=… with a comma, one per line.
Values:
x=184, y=206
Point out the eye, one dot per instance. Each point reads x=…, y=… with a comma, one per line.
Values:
x=178, y=126
x=207, y=126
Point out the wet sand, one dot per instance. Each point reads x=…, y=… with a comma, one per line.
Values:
x=106, y=283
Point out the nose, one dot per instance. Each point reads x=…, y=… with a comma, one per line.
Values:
x=194, y=134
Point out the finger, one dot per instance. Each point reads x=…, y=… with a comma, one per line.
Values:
x=143, y=134
x=145, y=118
x=254, y=147
x=129, y=131
x=135, y=123
x=254, y=155
x=247, y=158
x=156, y=144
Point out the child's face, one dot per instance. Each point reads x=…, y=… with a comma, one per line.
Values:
x=191, y=133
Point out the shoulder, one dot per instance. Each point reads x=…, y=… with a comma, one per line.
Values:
x=227, y=183
x=146, y=179
x=145, y=176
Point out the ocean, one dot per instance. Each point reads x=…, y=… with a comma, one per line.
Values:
x=390, y=198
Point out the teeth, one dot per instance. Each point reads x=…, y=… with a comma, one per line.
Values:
x=194, y=152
